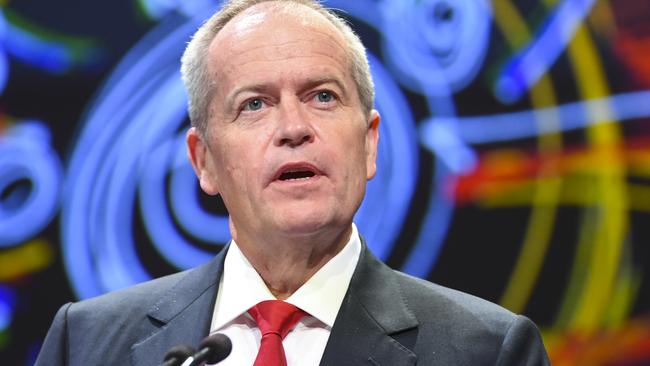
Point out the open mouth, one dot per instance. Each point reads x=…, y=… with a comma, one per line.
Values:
x=299, y=171
x=296, y=175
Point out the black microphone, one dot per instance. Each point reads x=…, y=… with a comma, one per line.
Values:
x=211, y=350
x=177, y=355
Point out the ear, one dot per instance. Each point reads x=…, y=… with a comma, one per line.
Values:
x=372, y=139
x=202, y=161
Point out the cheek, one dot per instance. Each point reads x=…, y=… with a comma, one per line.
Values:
x=224, y=163
x=357, y=143
x=243, y=160
x=351, y=154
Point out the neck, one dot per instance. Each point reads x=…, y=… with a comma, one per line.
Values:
x=286, y=263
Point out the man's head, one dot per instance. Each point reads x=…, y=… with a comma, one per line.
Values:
x=200, y=84
x=288, y=141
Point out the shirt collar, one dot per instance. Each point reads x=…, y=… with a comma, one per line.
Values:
x=241, y=287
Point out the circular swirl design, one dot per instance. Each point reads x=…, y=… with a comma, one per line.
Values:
x=30, y=179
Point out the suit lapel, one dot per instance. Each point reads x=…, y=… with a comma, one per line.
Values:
x=372, y=315
x=182, y=315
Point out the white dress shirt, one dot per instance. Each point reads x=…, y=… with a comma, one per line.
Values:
x=241, y=287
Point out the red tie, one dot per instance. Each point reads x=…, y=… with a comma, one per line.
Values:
x=275, y=318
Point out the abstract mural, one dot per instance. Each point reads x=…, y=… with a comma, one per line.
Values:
x=514, y=159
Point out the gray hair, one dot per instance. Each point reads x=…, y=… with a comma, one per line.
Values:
x=200, y=87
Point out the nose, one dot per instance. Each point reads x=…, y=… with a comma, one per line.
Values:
x=293, y=127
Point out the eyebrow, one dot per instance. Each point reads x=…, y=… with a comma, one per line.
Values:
x=314, y=82
x=258, y=88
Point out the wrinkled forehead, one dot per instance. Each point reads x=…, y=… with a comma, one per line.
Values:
x=275, y=23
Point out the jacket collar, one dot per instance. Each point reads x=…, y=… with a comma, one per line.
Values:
x=371, y=314
x=182, y=315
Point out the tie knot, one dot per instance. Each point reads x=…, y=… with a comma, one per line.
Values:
x=275, y=316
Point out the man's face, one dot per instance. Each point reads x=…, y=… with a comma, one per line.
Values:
x=288, y=146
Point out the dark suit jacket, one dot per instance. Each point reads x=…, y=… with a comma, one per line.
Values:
x=387, y=318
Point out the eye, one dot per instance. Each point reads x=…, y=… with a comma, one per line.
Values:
x=324, y=97
x=253, y=104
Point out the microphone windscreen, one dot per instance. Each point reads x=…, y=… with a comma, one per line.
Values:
x=219, y=345
x=180, y=352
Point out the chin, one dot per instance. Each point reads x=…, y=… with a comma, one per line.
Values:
x=307, y=222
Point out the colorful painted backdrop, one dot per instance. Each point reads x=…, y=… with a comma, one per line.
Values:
x=514, y=160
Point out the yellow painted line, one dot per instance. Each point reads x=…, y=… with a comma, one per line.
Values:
x=544, y=206
x=576, y=191
x=25, y=259
x=624, y=294
x=599, y=248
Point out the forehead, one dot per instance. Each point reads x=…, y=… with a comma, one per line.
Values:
x=272, y=32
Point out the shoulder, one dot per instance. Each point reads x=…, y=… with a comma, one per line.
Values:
x=469, y=328
x=431, y=306
x=122, y=316
x=103, y=328
x=145, y=297
x=136, y=299
x=429, y=300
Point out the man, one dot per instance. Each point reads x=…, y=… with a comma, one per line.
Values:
x=283, y=129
